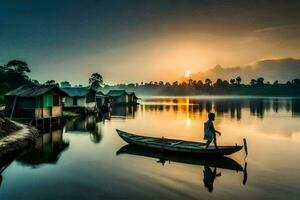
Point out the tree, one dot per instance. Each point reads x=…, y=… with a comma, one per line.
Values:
x=252, y=82
x=296, y=81
x=219, y=82
x=18, y=66
x=95, y=80
x=232, y=81
x=65, y=84
x=260, y=81
x=14, y=74
x=225, y=83
x=35, y=82
x=199, y=83
x=238, y=80
x=208, y=82
x=175, y=83
x=50, y=82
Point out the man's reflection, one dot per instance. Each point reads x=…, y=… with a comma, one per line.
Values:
x=209, y=177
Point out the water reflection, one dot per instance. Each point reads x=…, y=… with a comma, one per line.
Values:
x=211, y=165
x=209, y=177
x=88, y=124
x=124, y=111
x=264, y=122
x=47, y=150
x=5, y=162
x=257, y=106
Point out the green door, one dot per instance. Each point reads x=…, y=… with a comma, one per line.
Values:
x=47, y=100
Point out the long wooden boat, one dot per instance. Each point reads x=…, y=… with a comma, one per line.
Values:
x=177, y=146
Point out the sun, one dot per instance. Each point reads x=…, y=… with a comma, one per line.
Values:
x=187, y=74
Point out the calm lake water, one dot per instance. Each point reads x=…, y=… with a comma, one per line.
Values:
x=88, y=160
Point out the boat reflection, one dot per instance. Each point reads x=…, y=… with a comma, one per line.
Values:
x=211, y=165
x=47, y=150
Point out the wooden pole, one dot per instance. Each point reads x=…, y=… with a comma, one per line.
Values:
x=13, y=108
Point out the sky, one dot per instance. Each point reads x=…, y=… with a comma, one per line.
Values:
x=138, y=41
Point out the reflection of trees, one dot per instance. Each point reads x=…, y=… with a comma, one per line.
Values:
x=229, y=106
x=208, y=106
x=47, y=149
x=232, y=107
x=296, y=107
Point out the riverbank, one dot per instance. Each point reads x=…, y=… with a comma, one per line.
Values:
x=15, y=138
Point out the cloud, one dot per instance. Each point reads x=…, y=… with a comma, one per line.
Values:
x=274, y=69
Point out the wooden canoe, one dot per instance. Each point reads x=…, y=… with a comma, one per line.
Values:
x=177, y=146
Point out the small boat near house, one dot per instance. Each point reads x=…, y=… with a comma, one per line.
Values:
x=178, y=146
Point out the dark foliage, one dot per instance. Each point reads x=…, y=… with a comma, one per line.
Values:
x=220, y=87
x=14, y=74
x=96, y=80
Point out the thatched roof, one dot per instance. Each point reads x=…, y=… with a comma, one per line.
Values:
x=34, y=90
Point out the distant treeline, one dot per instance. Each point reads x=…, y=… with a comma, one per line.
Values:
x=220, y=87
x=15, y=74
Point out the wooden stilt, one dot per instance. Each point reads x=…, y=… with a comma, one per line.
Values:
x=50, y=124
x=43, y=125
x=58, y=122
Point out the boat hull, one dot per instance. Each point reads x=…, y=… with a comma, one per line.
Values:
x=177, y=146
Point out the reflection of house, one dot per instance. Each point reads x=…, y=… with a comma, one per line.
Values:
x=87, y=124
x=48, y=148
x=123, y=111
x=35, y=102
x=121, y=97
x=80, y=98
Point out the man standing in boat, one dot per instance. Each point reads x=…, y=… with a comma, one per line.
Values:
x=210, y=131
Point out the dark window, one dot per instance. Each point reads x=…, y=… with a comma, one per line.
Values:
x=56, y=100
x=74, y=101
